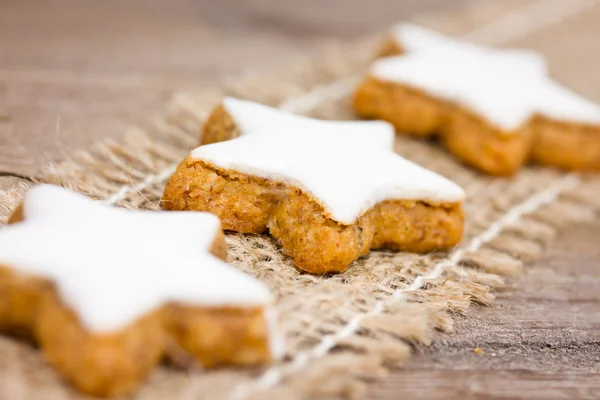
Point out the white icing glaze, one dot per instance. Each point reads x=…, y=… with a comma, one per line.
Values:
x=561, y=103
x=474, y=86
x=415, y=39
x=112, y=266
x=253, y=117
x=345, y=176
x=507, y=87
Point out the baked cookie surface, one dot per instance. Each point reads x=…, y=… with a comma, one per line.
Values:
x=107, y=293
x=493, y=109
x=326, y=191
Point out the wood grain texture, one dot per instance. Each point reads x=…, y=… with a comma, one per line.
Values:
x=541, y=339
x=75, y=71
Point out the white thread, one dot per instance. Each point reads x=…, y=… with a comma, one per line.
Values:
x=146, y=183
x=274, y=375
x=309, y=101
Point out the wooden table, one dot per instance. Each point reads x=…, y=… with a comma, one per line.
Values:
x=73, y=71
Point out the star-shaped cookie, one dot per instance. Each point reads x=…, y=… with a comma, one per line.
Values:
x=107, y=293
x=493, y=109
x=328, y=196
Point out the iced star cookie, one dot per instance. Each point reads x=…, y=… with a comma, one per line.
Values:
x=325, y=195
x=493, y=109
x=236, y=117
x=107, y=293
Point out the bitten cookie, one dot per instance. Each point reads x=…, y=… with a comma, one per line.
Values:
x=327, y=192
x=493, y=109
x=108, y=292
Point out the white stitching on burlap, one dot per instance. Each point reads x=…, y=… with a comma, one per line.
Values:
x=274, y=375
x=335, y=90
x=150, y=180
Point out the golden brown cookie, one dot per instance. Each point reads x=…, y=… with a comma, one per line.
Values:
x=299, y=183
x=483, y=145
x=493, y=109
x=408, y=109
x=317, y=244
x=566, y=145
x=109, y=293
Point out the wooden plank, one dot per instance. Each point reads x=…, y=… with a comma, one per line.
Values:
x=475, y=384
x=540, y=340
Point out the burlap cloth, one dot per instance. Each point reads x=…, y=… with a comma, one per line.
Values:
x=345, y=329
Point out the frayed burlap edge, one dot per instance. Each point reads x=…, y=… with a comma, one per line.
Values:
x=346, y=329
